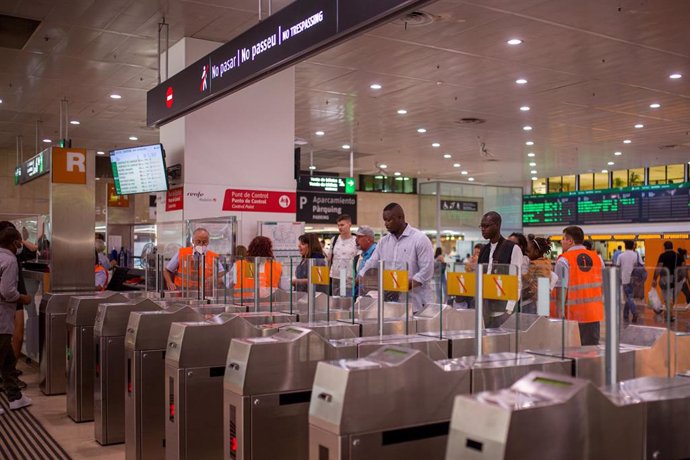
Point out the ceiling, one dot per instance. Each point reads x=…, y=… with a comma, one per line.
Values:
x=592, y=70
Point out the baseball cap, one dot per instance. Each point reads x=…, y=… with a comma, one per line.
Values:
x=365, y=230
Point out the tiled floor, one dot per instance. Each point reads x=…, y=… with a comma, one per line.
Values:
x=76, y=438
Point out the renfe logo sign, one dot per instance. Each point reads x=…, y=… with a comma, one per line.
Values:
x=69, y=166
x=259, y=201
x=169, y=97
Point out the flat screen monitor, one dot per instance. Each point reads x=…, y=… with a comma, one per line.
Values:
x=139, y=169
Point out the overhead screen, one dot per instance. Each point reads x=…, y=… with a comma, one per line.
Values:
x=139, y=169
x=647, y=203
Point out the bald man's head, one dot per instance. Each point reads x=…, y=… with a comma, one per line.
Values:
x=200, y=237
x=394, y=218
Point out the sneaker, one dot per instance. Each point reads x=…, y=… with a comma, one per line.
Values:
x=19, y=403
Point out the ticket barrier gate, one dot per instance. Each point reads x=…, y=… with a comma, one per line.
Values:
x=109, y=372
x=81, y=317
x=652, y=358
x=537, y=332
x=339, y=429
x=433, y=347
x=146, y=340
x=267, y=388
x=194, y=369
x=394, y=403
x=666, y=402
x=52, y=337
x=435, y=316
x=545, y=415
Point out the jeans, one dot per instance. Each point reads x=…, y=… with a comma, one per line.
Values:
x=7, y=368
x=630, y=306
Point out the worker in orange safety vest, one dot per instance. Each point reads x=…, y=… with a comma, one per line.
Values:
x=184, y=269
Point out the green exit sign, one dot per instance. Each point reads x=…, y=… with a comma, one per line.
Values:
x=350, y=185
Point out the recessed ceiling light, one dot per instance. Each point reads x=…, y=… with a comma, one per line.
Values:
x=312, y=167
x=618, y=153
x=527, y=128
x=471, y=179
x=397, y=173
x=74, y=122
x=524, y=108
x=421, y=130
x=521, y=81
x=436, y=145
x=639, y=126
x=47, y=141
x=654, y=105
x=529, y=143
x=534, y=178
x=319, y=133
x=604, y=171
x=610, y=163
x=464, y=173
x=532, y=164
x=133, y=138
x=383, y=166
x=534, y=171
x=100, y=152
x=514, y=41
x=402, y=112
x=115, y=96
x=675, y=76
x=375, y=86
x=447, y=156
x=627, y=141
x=0, y=101
x=531, y=154
x=346, y=146
x=456, y=165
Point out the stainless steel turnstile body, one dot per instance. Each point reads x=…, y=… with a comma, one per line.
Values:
x=433, y=347
x=661, y=352
x=194, y=370
x=666, y=402
x=435, y=317
x=109, y=369
x=81, y=317
x=537, y=332
x=333, y=330
x=52, y=337
x=461, y=343
x=145, y=405
x=392, y=404
x=267, y=389
x=545, y=416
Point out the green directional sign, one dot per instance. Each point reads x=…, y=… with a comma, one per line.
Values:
x=350, y=185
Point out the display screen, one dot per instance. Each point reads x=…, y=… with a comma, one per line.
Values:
x=648, y=203
x=552, y=382
x=139, y=169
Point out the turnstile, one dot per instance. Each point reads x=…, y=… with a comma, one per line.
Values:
x=194, y=370
x=393, y=404
x=537, y=332
x=435, y=317
x=267, y=388
x=547, y=416
x=81, y=317
x=109, y=369
x=461, y=343
x=145, y=345
x=333, y=330
x=433, y=347
x=666, y=403
x=659, y=351
x=52, y=338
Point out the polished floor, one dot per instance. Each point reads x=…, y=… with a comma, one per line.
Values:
x=77, y=439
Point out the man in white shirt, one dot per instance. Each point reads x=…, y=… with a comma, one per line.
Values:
x=501, y=252
x=408, y=245
x=627, y=262
x=343, y=252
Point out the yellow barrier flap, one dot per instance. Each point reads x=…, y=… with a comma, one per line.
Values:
x=461, y=283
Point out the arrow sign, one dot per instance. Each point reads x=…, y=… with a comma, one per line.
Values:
x=350, y=185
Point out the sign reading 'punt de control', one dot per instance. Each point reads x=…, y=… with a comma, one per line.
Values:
x=299, y=30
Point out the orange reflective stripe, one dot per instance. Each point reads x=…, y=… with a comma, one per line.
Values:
x=584, y=298
x=101, y=268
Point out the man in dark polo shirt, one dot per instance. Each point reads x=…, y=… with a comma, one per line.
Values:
x=668, y=260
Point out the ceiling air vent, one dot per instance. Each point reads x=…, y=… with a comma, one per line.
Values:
x=15, y=32
x=470, y=121
x=416, y=19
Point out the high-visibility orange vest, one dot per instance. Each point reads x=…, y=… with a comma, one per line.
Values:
x=188, y=272
x=584, y=300
x=269, y=276
x=101, y=268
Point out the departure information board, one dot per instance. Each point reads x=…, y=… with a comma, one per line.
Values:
x=139, y=169
x=647, y=203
